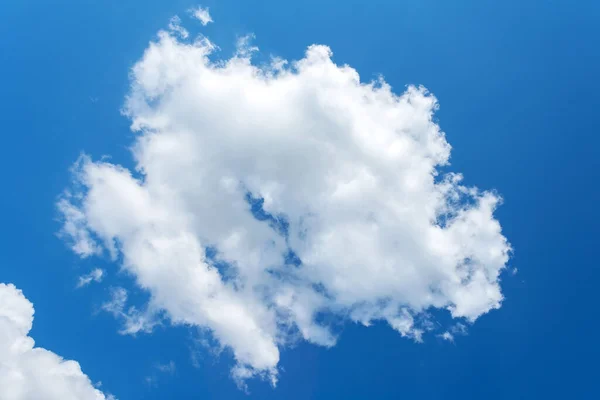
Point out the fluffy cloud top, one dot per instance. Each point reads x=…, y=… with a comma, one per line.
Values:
x=265, y=197
x=33, y=373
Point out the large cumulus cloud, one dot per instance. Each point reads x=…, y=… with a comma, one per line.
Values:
x=265, y=197
x=33, y=373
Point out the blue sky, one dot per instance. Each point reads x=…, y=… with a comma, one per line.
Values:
x=516, y=84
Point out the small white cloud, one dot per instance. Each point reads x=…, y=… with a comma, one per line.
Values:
x=151, y=381
x=28, y=372
x=202, y=15
x=175, y=26
x=244, y=49
x=168, y=368
x=94, y=276
x=459, y=329
x=134, y=320
x=74, y=229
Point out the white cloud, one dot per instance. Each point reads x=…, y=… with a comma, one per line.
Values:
x=175, y=26
x=457, y=329
x=133, y=320
x=33, y=373
x=202, y=15
x=168, y=368
x=151, y=381
x=349, y=181
x=75, y=231
x=94, y=276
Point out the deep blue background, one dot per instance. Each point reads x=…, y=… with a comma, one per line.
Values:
x=518, y=87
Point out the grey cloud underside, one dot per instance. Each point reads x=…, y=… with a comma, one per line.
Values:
x=354, y=218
